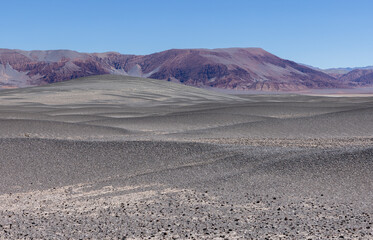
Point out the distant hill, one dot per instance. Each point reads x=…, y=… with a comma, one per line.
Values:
x=358, y=77
x=231, y=68
x=339, y=72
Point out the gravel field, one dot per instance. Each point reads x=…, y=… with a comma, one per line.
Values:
x=134, y=159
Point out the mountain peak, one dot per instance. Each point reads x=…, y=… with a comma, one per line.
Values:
x=228, y=68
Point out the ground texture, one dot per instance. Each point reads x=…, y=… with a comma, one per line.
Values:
x=128, y=158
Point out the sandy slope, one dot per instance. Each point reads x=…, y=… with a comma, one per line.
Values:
x=113, y=157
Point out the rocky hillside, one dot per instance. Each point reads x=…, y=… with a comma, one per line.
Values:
x=358, y=77
x=232, y=68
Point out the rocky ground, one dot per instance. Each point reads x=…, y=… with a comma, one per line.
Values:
x=130, y=162
x=159, y=213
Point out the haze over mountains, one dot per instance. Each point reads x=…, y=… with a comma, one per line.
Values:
x=231, y=68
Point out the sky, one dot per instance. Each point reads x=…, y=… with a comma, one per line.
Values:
x=321, y=33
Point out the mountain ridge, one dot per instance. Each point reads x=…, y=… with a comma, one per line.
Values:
x=226, y=68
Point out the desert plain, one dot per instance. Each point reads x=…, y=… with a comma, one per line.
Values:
x=118, y=157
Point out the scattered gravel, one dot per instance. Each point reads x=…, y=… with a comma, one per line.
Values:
x=134, y=159
x=133, y=212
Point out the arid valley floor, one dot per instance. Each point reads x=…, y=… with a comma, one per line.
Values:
x=113, y=157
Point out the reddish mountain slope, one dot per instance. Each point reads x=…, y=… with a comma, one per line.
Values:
x=358, y=77
x=232, y=68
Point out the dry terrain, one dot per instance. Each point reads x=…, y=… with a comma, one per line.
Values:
x=239, y=69
x=115, y=157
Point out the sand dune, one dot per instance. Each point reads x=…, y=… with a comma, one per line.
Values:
x=121, y=157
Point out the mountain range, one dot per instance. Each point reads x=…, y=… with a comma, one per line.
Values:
x=230, y=68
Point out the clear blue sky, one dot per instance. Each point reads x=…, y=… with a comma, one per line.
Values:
x=322, y=33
